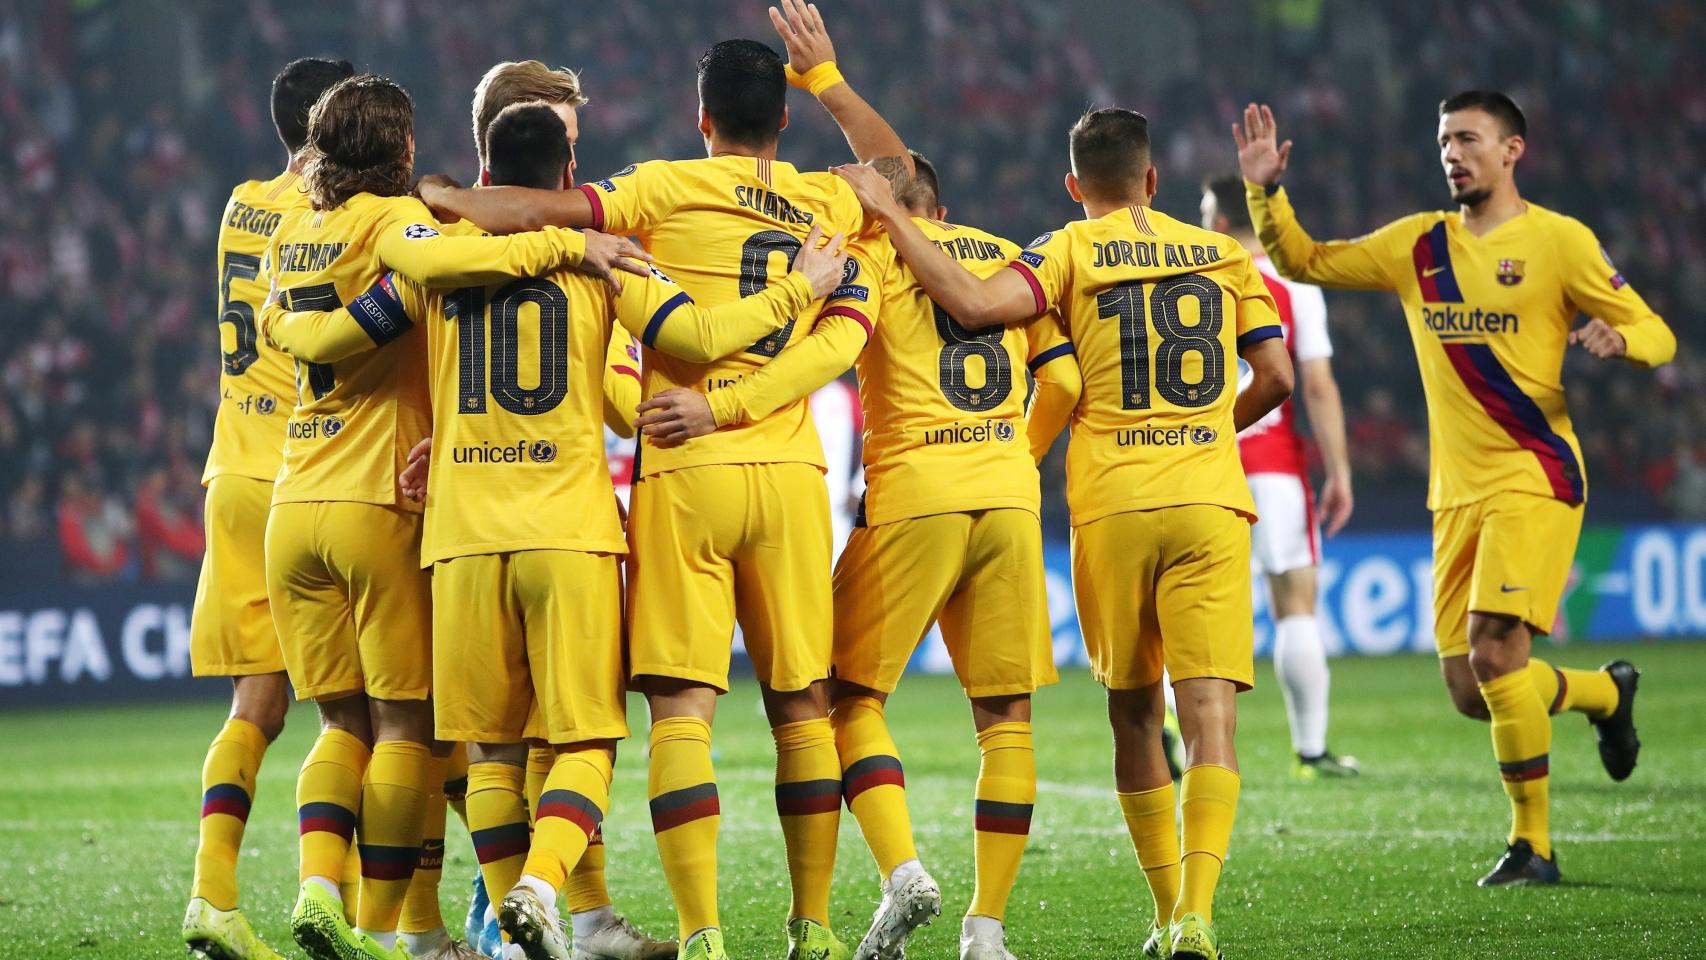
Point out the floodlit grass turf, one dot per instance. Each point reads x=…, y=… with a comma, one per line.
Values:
x=98, y=806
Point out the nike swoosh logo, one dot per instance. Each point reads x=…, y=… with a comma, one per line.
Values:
x=1430, y=271
x=1505, y=589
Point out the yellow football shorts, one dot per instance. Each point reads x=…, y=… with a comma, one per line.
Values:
x=1509, y=554
x=528, y=645
x=231, y=631
x=352, y=606
x=1165, y=587
x=980, y=573
x=708, y=544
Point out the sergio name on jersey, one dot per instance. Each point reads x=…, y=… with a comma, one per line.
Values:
x=941, y=401
x=725, y=228
x=1157, y=311
x=1490, y=318
x=256, y=385
x=358, y=412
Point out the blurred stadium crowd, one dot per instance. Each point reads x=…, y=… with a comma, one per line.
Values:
x=116, y=161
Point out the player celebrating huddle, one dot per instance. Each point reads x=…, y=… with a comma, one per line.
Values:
x=1160, y=512
x=350, y=601
x=1490, y=292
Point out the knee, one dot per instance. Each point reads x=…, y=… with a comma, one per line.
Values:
x=1468, y=700
x=1135, y=714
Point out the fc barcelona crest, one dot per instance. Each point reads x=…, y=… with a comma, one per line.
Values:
x=1510, y=272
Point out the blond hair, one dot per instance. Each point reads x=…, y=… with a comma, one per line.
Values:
x=520, y=81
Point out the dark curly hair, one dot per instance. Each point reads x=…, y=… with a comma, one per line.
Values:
x=358, y=141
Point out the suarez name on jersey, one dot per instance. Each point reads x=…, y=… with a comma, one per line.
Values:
x=1157, y=311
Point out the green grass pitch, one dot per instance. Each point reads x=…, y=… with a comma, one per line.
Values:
x=98, y=808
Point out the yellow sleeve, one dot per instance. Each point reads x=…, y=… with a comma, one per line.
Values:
x=412, y=243
x=633, y=200
x=621, y=382
x=1258, y=316
x=383, y=313
x=665, y=318
x=1054, y=365
x=1361, y=264
x=1046, y=264
x=1594, y=285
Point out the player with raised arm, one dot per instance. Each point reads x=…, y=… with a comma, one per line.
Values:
x=351, y=605
x=1286, y=542
x=231, y=628
x=1156, y=310
x=735, y=523
x=1490, y=292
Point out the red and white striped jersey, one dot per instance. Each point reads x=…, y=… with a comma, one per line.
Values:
x=1272, y=444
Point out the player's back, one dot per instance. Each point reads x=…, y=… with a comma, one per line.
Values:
x=941, y=401
x=724, y=228
x=355, y=417
x=256, y=382
x=1153, y=307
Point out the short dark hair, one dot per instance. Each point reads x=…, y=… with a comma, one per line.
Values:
x=294, y=91
x=744, y=91
x=1494, y=104
x=924, y=190
x=1228, y=190
x=527, y=145
x=1110, y=152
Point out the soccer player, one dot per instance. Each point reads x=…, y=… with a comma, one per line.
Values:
x=1156, y=310
x=231, y=629
x=735, y=523
x=350, y=602
x=1286, y=542
x=1490, y=293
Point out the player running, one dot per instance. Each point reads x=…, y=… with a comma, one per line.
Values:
x=1286, y=542
x=1156, y=310
x=231, y=628
x=733, y=524
x=351, y=605
x=1490, y=292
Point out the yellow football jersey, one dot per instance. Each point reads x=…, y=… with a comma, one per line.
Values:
x=725, y=228
x=1490, y=318
x=360, y=408
x=1157, y=311
x=621, y=382
x=942, y=402
x=256, y=385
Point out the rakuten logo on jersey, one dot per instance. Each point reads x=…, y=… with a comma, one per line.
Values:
x=1452, y=323
x=519, y=451
x=1166, y=436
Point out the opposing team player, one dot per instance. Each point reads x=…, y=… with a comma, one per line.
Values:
x=1490, y=292
x=1286, y=542
x=736, y=523
x=231, y=629
x=351, y=605
x=1157, y=311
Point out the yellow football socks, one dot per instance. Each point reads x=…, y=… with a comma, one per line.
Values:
x=497, y=823
x=420, y=906
x=873, y=780
x=1208, y=802
x=349, y=883
x=393, y=808
x=585, y=890
x=808, y=801
x=540, y=760
x=227, y=790
x=1006, y=794
x=1522, y=740
x=1592, y=692
x=328, y=794
x=572, y=804
x=682, y=787
x=1152, y=819
x=456, y=782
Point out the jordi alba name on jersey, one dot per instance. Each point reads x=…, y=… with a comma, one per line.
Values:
x=257, y=387
x=1157, y=311
x=724, y=228
x=944, y=406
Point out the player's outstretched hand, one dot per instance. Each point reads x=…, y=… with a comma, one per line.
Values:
x=801, y=28
x=1261, y=156
x=431, y=189
x=413, y=480
x=605, y=255
x=1600, y=339
x=875, y=191
x=821, y=263
x=1336, y=503
x=672, y=417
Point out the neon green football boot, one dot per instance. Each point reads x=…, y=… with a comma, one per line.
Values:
x=706, y=944
x=320, y=929
x=215, y=934
x=1159, y=946
x=1193, y=939
x=810, y=940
